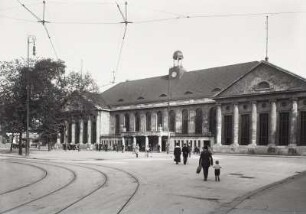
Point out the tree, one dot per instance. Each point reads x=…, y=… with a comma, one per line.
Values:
x=49, y=92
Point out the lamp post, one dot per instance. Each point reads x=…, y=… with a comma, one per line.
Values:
x=30, y=40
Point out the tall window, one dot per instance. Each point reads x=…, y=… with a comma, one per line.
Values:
x=127, y=122
x=159, y=119
x=303, y=128
x=212, y=120
x=284, y=128
x=185, y=121
x=245, y=129
x=137, y=122
x=69, y=133
x=117, y=124
x=148, y=121
x=85, y=131
x=77, y=132
x=198, y=121
x=172, y=121
x=263, y=129
x=93, y=131
x=228, y=129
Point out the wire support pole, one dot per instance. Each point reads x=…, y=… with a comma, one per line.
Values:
x=30, y=40
x=267, y=38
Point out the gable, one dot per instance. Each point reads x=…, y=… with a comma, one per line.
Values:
x=264, y=79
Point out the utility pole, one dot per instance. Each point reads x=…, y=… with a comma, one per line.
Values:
x=31, y=40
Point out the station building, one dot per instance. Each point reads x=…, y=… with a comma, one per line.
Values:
x=252, y=107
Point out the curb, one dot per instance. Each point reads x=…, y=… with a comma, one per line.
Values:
x=228, y=207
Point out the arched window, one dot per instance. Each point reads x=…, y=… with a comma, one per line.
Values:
x=198, y=121
x=263, y=85
x=127, y=122
x=172, y=121
x=185, y=121
x=159, y=119
x=212, y=120
x=137, y=122
x=148, y=121
x=117, y=124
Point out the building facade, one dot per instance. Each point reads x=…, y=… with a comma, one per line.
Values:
x=253, y=107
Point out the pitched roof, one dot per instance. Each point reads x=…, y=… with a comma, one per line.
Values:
x=192, y=85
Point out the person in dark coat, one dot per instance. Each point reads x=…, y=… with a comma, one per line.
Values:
x=206, y=161
x=177, y=154
x=185, y=151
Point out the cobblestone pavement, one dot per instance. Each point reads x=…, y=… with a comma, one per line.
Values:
x=115, y=182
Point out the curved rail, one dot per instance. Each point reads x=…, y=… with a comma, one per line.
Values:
x=30, y=184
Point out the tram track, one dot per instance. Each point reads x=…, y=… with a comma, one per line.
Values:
x=45, y=173
x=132, y=176
x=48, y=194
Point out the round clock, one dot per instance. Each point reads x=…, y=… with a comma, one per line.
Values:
x=173, y=74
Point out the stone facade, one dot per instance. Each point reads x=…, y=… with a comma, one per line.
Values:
x=262, y=110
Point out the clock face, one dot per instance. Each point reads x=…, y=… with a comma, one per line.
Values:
x=173, y=74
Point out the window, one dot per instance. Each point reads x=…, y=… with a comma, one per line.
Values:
x=148, y=121
x=212, y=120
x=263, y=129
x=263, y=86
x=284, y=128
x=245, y=129
x=140, y=98
x=117, y=124
x=185, y=121
x=303, y=128
x=228, y=129
x=159, y=119
x=198, y=121
x=120, y=100
x=172, y=121
x=163, y=95
x=69, y=132
x=127, y=122
x=216, y=90
x=137, y=122
x=188, y=92
x=93, y=131
x=85, y=132
x=77, y=132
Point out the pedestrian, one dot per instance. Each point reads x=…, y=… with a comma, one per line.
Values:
x=189, y=150
x=177, y=154
x=123, y=147
x=217, y=168
x=158, y=148
x=185, y=151
x=136, y=150
x=205, y=161
x=167, y=148
x=147, y=151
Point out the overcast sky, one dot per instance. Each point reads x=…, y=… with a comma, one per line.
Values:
x=221, y=38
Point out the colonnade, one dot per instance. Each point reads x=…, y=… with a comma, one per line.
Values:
x=273, y=119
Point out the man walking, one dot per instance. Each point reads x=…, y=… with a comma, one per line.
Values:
x=185, y=151
x=206, y=161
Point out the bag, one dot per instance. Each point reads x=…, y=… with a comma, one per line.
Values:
x=199, y=169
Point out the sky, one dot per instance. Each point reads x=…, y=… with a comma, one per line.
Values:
x=87, y=34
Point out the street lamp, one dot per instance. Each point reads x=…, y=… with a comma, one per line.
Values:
x=30, y=40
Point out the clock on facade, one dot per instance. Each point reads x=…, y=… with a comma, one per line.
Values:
x=174, y=74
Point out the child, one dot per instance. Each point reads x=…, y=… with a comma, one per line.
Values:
x=217, y=168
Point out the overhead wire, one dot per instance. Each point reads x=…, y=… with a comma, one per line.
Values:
x=43, y=22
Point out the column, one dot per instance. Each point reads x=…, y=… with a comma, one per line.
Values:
x=81, y=131
x=73, y=132
x=219, y=125
x=273, y=119
x=236, y=125
x=159, y=143
x=89, y=130
x=66, y=132
x=146, y=141
x=293, y=122
x=98, y=124
x=134, y=142
x=254, y=124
